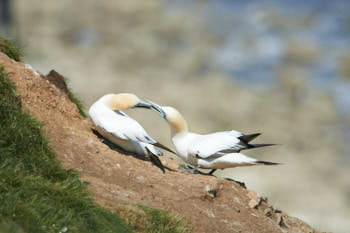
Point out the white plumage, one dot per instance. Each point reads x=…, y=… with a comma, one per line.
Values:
x=112, y=123
x=210, y=151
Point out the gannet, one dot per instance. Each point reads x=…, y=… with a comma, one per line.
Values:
x=115, y=125
x=211, y=151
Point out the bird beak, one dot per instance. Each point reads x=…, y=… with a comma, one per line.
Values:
x=143, y=104
x=150, y=105
x=157, y=108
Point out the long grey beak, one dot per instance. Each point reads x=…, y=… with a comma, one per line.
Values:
x=157, y=108
x=143, y=104
x=150, y=105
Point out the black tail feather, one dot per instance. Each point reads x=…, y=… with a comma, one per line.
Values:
x=251, y=146
x=157, y=144
x=155, y=160
x=249, y=137
x=267, y=163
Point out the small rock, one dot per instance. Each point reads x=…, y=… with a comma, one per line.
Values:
x=268, y=212
x=118, y=165
x=281, y=222
x=255, y=199
x=210, y=214
x=236, y=199
x=237, y=209
x=207, y=188
x=210, y=192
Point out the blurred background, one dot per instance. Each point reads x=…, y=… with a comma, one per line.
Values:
x=277, y=67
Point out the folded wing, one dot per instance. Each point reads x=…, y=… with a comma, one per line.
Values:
x=125, y=128
x=221, y=143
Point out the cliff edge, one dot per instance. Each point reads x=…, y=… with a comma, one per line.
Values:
x=117, y=180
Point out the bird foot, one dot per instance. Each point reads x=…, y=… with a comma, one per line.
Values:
x=155, y=160
x=194, y=170
x=186, y=168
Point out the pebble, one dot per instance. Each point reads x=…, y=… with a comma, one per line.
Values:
x=255, y=199
x=210, y=214
x=281, y=222
x=207, y=188
x=268, y=212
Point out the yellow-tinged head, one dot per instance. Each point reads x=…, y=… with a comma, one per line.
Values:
x=175, y=119
x=123, y=101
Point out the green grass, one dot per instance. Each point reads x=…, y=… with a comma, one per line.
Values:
x=159, y=221
x=78, y=102
x=36, y=193
x=10, y=227
x=11, y=49
x=146, y=219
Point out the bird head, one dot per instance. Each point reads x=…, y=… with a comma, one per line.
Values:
x=125, y=101
x=175, y=119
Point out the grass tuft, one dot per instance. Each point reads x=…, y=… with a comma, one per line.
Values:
x=146, y=219
x=36, y=193
x=11, y=49
x=73, y=97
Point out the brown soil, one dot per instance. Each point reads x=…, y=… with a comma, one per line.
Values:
x=209, y=204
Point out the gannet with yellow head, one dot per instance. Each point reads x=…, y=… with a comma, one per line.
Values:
x=123, y=131
x=211, y=151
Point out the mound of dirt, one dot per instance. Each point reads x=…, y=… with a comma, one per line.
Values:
x=209, y=204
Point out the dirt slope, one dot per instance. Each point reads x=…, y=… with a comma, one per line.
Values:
x=210, y=204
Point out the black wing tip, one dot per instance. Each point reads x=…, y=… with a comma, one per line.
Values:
x=163, y=147
x=250, y=146
x=249, y=137
x=267, y=163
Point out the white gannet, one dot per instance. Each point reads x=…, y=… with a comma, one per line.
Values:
x=211, y=151
x=112, y=123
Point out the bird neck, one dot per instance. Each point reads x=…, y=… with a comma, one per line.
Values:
x=115, y=103
x=179, y=126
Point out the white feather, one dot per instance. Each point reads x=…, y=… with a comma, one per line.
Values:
x=208, y=145
x=120, y=129
x=211, y=151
